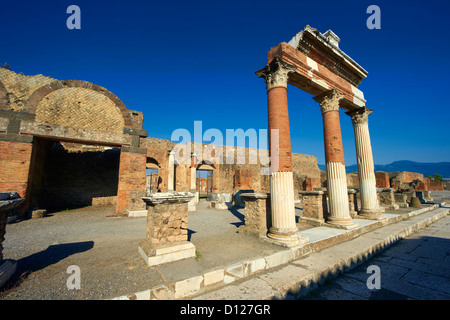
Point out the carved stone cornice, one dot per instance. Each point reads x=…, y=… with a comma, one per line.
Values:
x=276, y=73
x=329, y=101
x=360, y=116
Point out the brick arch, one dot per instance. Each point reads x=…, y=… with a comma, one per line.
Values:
x=153, y=161
x=36, y=97
x=4, y=100
x=206, y=165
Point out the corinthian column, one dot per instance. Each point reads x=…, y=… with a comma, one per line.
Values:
x=283, y=230
x=171, y=172
x=193, y=172
x=366, y=173
x=338, y=211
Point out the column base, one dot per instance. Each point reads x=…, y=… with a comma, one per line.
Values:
x=374, y=214
x=156, y=255
x=286, y=238
x=347, y=224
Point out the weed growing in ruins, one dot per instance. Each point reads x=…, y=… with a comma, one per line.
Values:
x=197, y=255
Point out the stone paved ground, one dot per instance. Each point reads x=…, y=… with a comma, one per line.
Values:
x=417, y=267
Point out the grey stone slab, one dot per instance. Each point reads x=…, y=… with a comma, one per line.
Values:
x=333, y=292
x=410, y=290
x=417, y=266
x=288, y=278
x=383, y=256
x=406, y=246
x=444, y=265
x=321, y=233
x=253, y=289
x=391, y=215
x=427, y=280
x=354, y=286
x=386, y=270
x=430, y=251
x=399, y=255
x=364, y=222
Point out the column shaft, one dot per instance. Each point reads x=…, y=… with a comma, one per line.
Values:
x=171, y=173
x=338, y=210
x=366, y=173
x=283, y=230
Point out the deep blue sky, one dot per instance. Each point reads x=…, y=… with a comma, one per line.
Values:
x=182, y=61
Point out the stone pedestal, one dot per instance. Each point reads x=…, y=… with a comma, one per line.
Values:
x=8, y=202
x=386, y=198
x=167, y=233
x=353, y=202
x=257, y=214
x=220, y=201
x=238, y=201
x=424, y=196
x=401, y=199
x=192, y=204
x=314, y=206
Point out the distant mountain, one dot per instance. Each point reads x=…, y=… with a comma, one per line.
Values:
x=427, y=169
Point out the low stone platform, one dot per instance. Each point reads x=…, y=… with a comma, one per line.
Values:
x=328, y=252
x=225, y=260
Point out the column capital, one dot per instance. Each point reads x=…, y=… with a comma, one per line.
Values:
x=276, y=73
x=329, y=101
x=360, y=116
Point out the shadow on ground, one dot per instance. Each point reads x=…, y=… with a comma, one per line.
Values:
x=411, y=268
x=40, y=260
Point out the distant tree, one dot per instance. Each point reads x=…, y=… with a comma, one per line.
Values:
x=438, y=177
x=6, y=66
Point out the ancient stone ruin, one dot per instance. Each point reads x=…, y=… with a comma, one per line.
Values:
x=70, y=143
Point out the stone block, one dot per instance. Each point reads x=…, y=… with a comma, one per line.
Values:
x=143, y=295
x=156, y=255
x=213, y=277
x=386, y=198
x=401, y=199
x=187, y=287
x=254, y=266
x=314, y=206
x=257, y=210
x=40, y=213
x=279, y=258
x=161, y=292
x=236, y=270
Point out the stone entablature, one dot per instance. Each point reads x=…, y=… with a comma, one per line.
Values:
x=321, y=66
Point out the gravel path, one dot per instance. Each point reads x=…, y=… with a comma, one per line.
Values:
x=105, y=250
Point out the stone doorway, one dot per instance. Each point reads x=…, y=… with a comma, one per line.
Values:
x=152, y=176
x=67, y=175
x=204, y=183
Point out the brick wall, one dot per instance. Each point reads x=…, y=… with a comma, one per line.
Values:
x=131, y=177
x=243, y=179
x=382, y=179
x=436, y=185
x=15, y=159
x=80, y=108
